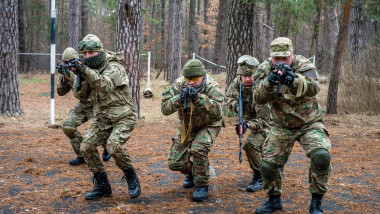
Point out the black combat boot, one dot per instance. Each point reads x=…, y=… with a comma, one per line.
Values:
x=105, y=155
x=316, y=204
x=77, y=161
x=133, y=182
x=200, y=193
x=257, y=182
x=189, y=182
x=272, y=205
x=102, y=186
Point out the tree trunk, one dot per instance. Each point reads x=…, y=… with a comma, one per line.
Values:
x=192, y=29
x=356, y=37
x=169, y=43
x=128, y=35
x=332, y=96
x=21, y=37
x=74, y=24
x=330, y=31
x=9, y=94
x=316, y=22
x=205, y=41
x=175, y=56
x=84, y=18
x=240, y=35
x=221, y=36
x=257, y=51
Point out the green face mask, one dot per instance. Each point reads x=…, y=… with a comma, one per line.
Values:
x=95, y=61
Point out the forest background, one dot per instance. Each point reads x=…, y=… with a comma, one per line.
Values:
x=221, y=31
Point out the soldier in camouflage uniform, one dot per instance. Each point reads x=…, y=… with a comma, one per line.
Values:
x=198, y=100
x=256, y=117
x=81, y=113
x=106, y=86
x=297, y=116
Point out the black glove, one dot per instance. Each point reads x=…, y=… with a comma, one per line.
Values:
x=245, y=126
x=289, y=80
x=273, y=77
x=79, y=68
x=183, y=95
x=193, y=94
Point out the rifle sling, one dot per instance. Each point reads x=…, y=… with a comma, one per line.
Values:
x=185, y=138
x=301, y=89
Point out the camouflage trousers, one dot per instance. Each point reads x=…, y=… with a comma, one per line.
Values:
x=278, y=146
x=111, y=136
x=253, y=149
x=198, y=147
x=81, y=113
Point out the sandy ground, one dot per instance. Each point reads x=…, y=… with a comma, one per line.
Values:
x=35, y=176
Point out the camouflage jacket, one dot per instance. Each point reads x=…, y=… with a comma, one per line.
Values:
x=207, y=108
x=291, y=114
x=64, y=87
x=107, y=88
x=257, y=116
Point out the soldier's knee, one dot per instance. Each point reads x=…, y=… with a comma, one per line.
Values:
x=111, y=148
x=269, y=170
x=85, y=149
x=69, y=131
x=320, y=161
x=176, y=166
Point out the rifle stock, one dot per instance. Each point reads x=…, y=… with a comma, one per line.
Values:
x=240, y=123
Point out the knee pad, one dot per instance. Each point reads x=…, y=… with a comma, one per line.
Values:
x=111, y=148
x=85, y=150
x=269, y=170
x=320, y=161
x=69, y=131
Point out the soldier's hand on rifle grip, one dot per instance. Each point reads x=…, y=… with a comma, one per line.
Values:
x=183, y=95
x=78, y=68
x=273, y=78
x=244, y=128
x=193, y=93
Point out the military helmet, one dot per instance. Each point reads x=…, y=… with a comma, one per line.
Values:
x=247, y=65
x=281, y=47
x=69, y=53
x=90, y=43
x=193, y=68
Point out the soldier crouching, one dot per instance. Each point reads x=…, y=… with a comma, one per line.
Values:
x=198, y=100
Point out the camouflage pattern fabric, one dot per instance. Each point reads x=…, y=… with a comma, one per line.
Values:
x=64, y=87
x=258, y=117
x=198, y=147
x=81, y=113
x=206, y=123
x=107, y=88
x=294, y=120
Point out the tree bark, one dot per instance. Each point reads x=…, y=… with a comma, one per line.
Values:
x=316, y=22
x=84, y=18
x=9, y=94
x=221, y=36
x=128, y=35
x=257, y=47
x=356, y=37
x=21, y=37
x=169, y=43
x=332, y=96
x=74, y=24
x=175, y=57
x=205, y=41
x=192, y=29
x=240, y=35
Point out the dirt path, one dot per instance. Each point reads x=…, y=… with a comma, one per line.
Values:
x=35, y=175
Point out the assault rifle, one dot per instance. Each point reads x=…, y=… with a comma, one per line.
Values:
x=288, y=74
x=240, y=122
x=67, y=65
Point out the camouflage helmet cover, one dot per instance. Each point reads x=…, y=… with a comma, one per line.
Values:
x=69, y=53
x=247, y=65
x=281, y=47
x=90, y=43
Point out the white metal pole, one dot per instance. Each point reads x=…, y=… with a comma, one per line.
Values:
x=314, y=59
x=52, y=61
x=193, y=55
x=148, y=70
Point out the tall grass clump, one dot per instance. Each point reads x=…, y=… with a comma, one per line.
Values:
x=359, y=91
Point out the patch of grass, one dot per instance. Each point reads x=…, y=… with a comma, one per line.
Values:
x=44, y=94
x=32, y=80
